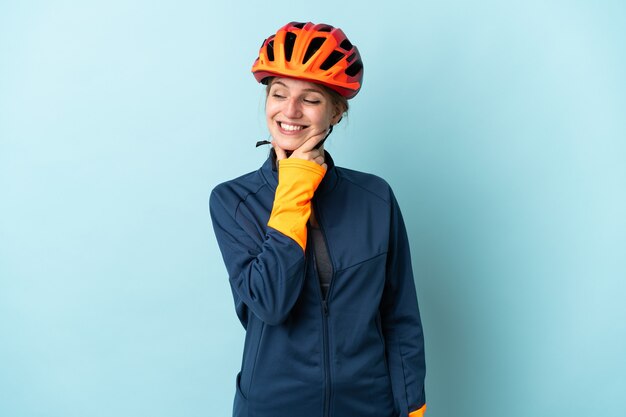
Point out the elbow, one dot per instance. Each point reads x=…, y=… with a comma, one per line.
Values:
x=273, y=316
x=275, y=319
x=270, y=297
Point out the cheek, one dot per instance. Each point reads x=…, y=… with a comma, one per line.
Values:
x=327, y=114
x=269, y=118
x=324, y=119
x=318, y=117
x=270, y=108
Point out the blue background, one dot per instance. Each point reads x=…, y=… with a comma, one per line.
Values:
x=500, y=125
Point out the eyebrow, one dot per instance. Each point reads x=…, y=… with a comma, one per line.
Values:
x=314, y=90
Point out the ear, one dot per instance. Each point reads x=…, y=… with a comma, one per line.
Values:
x=336, y=121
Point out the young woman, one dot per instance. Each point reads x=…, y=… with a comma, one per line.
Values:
x=317, y=255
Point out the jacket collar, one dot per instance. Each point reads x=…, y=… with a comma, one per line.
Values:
x=270, y=173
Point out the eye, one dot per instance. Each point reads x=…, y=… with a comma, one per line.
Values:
x=276, y=95
x=311, y=101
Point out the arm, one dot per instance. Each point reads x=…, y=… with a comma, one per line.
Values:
x=268, y=279
x=297, y=181
x=299, y=175
x=402, y=327
x=265, y=277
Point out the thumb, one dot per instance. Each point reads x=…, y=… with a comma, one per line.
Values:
x=280, y=152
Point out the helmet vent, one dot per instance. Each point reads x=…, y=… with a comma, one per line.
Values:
x=354, y=69
x=290, y=40
x=325, y=29
x=270, y=50
x=298, y=25
x=351, y=57
x=332, y=59
x=346, y=45
x=314, y=46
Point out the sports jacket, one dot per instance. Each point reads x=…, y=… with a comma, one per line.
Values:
x=360, y=352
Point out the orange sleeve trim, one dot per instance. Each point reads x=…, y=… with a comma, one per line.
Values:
x=418, y=413
x=297, y=181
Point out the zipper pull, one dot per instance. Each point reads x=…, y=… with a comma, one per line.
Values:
x=325, y=306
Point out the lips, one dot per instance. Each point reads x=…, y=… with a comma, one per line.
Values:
x=290, y=128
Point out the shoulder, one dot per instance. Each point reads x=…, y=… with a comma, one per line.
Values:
x=230, y=193
x=369, y=183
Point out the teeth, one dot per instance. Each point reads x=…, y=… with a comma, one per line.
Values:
x=291, y=128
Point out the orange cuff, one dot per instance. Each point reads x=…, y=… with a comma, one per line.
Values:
x=418, y=413
x=297, y=181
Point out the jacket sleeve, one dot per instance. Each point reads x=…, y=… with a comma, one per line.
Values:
x=297, y=181
x=267, y=277
x=402, y=327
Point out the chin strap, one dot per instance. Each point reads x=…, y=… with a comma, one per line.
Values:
x=330, y=130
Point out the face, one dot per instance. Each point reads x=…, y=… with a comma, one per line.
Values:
x=297, y=110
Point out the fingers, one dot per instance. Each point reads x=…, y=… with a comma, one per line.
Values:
x=314, y=155
x=312, y=142
x=307, y=151
x=319, y=159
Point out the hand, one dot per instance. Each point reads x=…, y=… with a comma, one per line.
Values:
x=306, y=151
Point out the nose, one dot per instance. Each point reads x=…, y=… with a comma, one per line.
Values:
x=292, y=108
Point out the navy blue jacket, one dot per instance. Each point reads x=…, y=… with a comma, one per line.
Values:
x=358, y=353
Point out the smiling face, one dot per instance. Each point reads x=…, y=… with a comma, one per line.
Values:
x=296, y=110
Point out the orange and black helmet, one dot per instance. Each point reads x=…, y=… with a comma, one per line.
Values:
x=317, y=53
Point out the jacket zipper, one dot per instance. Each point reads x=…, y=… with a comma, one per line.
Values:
x=325, y=337
x=325, y=315
x=326, y=359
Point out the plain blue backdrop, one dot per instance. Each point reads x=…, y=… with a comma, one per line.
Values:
x=500, y=125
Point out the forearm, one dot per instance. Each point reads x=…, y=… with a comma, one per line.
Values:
x=270, y=283
x=297, y=181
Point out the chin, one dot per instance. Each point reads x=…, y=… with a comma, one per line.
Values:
x=288, y=145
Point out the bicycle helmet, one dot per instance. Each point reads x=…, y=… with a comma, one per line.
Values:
x=318, y=53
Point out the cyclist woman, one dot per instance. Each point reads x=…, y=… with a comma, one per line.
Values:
x=317, y=255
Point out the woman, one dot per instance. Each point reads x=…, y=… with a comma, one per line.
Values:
x=317, y=255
